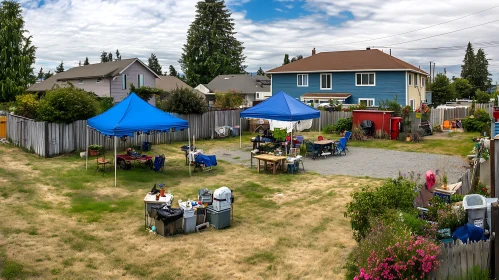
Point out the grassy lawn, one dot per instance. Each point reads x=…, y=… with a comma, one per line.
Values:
x=62, y=221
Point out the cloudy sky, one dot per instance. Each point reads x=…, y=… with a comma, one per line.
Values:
x=70, y=30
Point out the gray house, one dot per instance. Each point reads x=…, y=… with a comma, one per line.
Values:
x=250, y=87
x=109, y=79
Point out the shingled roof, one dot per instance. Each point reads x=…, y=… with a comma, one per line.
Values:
x=362, y=60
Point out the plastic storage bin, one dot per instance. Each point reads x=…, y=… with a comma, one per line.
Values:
x=235, y=131
x=476, y=207
x=218, y=219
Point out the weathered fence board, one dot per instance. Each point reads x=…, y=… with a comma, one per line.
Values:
x=328, y=118
x=457, y=259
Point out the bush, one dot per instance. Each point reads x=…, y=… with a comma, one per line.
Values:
x=482, y=96
x=391, y=252
x=184, y=101
x=328, y=129
x=368, y=203
x=358, y=133
x=27, y=105
x=105, y=103
x=66, y=105
x=343, y=124
x=381, y=134
x=228, y=100
x=146, y=93
x=478, y=122
x=391, y=105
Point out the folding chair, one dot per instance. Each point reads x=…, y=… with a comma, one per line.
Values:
x=159, y=163
x=320, y=138
x=347, y=136
x=341, y=146
x=101, y=161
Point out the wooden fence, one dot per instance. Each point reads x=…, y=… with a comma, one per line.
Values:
x=457, y=259
x=49, y=139
x=438, y=116
x=328, y=118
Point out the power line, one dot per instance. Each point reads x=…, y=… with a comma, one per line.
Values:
x=445, y=33
x=481, y=45
x=427, y=27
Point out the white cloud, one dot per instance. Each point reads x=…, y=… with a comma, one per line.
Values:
x=279, y=10
x=70, y=30
x=289, y=6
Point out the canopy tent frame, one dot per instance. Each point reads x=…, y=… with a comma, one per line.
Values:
x=125, y=119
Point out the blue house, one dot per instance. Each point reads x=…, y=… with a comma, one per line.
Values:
x=351, y=77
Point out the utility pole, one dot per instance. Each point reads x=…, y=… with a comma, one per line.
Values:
x=433, y=79
x=430, y=73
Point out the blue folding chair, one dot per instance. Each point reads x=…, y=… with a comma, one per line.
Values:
x=341, y=147
x=159, y=163
x=347, y=136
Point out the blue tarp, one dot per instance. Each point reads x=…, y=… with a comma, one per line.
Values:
x=208, y=161
x=134, y=114
x=281, y=107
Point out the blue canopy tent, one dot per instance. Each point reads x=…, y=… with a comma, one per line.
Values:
x=281, y=107
x=131, y=115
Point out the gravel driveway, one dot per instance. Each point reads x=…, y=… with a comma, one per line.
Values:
x=376, y=163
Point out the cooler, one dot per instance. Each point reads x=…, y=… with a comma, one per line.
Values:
x=222, y=199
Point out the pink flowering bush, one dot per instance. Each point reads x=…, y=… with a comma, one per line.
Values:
x=391, y=252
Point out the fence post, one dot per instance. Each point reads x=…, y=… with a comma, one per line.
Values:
x=494, y=248
x=46, y=139
x=492, y=168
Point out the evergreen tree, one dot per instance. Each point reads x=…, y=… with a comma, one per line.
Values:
x=173, y=72
x=17, y=54
x=441, y=90
x=153, y=63
x=211, y=47
x=48, y=75
x=109, y=57
x=468, y=67
x=104, y=57
x=286, y=59
x=482, y=75
x=60, y=68
x=260, y=72
x=40, y=74
x=118, y=55
x=86, y=61
x=296, y=58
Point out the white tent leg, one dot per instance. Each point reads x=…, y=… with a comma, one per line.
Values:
x=240, y=134
x=115, y=161
x=86, y=152
x=188, y=159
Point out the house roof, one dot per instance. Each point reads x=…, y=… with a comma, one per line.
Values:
x=361, y=60
x=98, y=70
x=327, y=95
x=243, y=83
x=169, y=83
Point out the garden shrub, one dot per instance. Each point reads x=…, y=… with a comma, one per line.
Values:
x=343, y=124
x=184, y=101
x=358, y=133
x=66, y=105
x=368, y=203
x=146, y=93
x=105, y=103
x=328, y=129
x=381, y=134
x=391, y=252
x=450, y=218
x=27, y=105
x=228, y=100
x=478, y=122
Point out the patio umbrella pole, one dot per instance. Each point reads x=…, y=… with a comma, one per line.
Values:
x=115, y=140
x=188, y=155
x=86, y=152
x=240, y=134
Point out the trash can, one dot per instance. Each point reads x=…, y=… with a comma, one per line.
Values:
x=168, y=220
x=476, y=207
x=189, y=222
x=146, y=146
x=489, y=205
x=235, y=131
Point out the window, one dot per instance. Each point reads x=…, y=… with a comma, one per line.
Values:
x=80, y=81
x=302, y=80
x=123, y=81
x=416, y=80
x=99, y=80
x=410, y=79
x=412, y=103
x=369, y=102
x=325, y=81
x=365, y=79
x=423, y=81
x=141, y=80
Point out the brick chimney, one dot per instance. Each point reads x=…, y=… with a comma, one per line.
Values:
x=313, y=51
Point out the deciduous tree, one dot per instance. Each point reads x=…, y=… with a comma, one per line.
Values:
x=462, y=88
x=17, y=54
x=48, y=75
x=441, y=90
x=184, y=101
x=212, y=48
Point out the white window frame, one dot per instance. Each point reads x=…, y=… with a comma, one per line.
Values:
x=412, y=103
x=330, y=81
x=423, y=81
x=416, y=80
x=409, y=79
x=99, y=80
x=298, y=79
x=365, y=73
x=123, y=81
x=140, y=80
x=367, y=99
x=80, y=81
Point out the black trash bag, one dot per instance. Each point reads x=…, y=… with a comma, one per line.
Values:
x=167, y=214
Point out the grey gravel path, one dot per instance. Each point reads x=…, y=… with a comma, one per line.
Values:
x=376, y=163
